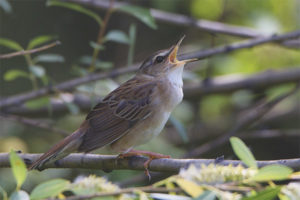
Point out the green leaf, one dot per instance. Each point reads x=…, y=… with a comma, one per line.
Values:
x=19, y=195
x=117, y=36
x=180, y=128
x=18, y=168
x=103, y=65
x=132, y=37
x=15, y=73
x=37, y=103
x=267, y=194
x=73, y=108
x=37, y=70
x=242, y=152
x=39, y=40
x=3, y=193
x=77, y=8
x=50, y=58
x=140, y=13
x=49, y=189
x=272, y=172
x=94, y=45
x=207, y=195
x=10, y=44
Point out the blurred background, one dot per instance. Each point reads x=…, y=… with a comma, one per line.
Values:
x=200, y=118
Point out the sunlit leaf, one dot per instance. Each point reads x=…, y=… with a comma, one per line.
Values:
x=77, y=8
x=94, y=45
x=50, y=58
x=140, y=13
x=3, y=194
x=37, y=70
x=10, y=44
x=19, y=195
x=39, y=40
x=272, y=172
x=49, y=189
x=189, y=187
x=162, y=196
x=37, y=103
x=207, y=195
x=267, y=194
x=15, y=73
x=242, y=152
x=18, y=168
x=117, y=36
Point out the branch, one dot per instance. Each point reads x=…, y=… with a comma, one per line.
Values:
x=31, y=51
x=109, y=162
x=68, y=85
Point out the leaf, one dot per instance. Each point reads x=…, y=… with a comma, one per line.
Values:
x=267, y=194
x=19, y=195
x=189, y=187
x=5, y=5
x=50, y=58
x=37, y=70
x=242, y=152
x=37, y=103
x=18, y=168
x=207, y=195
x=77, y=8
x=49, y=189
x=3, y=193
x=272, y=172
x=73, y=108
x=140, y=13
x=39, y=40
x=180, y=128
x=94, y=45
x=10, y=44
x=15, y=73
x=117, y=36
x=132, y=37
x=103, y=65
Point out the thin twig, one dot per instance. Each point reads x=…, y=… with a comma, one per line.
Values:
x=111, y=162
x=34, y=123
x=31, y=51
x=243, y=122
x=68, y=85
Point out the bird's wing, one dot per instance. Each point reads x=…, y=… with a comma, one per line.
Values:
x=121, y=110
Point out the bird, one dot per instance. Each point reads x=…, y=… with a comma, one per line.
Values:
x=130, y=115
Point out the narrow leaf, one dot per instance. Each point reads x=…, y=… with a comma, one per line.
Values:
x=267, y=194
x=94, y=45
x=141, y=14
x=18, y=168
x=180, y=129
x=73, y=108
x=207, y=195
x=77, y=8
x=19, y=195
x=39, y=40
x=117, y=36
x=3, y=193
x=10, y=44
x=189, y=187
x=49, y=189
x=37, y=103
x=50, y=58
x=272, y=172
x=15, y=73
x=5, y=5
x=37, y=70
x=242, y=152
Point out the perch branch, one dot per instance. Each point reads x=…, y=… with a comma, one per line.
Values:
x=68, y=85
x=109, y=162
x=31, y=51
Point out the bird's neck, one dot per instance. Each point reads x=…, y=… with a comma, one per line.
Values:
x=175, y=76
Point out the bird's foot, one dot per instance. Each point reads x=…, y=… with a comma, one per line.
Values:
x=151, y=156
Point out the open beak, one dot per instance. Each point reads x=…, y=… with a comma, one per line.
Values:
x=173, y=55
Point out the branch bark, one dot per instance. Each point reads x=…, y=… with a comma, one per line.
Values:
x=109, y=162
x=68, y=85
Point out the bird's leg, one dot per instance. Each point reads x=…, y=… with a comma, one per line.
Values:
x=151, y=156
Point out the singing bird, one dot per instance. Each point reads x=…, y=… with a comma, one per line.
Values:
x=130, y=115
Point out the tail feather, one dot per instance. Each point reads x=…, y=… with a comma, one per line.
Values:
x=60, y=150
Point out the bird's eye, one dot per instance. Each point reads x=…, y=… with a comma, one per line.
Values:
x=159, y=59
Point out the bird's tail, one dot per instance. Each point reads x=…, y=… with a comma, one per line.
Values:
x=60, y=150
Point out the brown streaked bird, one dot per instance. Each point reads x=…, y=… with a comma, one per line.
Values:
x=130, y=115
